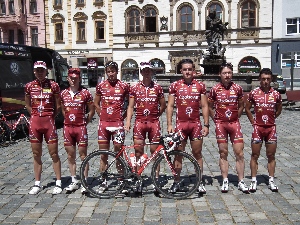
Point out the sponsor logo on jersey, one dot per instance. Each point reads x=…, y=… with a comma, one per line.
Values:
x=46, y=90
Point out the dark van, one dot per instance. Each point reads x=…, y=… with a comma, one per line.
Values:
x=16, y=69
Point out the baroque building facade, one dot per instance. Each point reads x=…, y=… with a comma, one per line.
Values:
x=22, y=22
x=88, y=33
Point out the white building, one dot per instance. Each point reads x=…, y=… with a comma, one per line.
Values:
x=160, y=31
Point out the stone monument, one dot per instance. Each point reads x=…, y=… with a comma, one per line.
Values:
x=214, y=34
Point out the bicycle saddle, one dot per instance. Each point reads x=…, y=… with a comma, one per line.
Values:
x=113, y=129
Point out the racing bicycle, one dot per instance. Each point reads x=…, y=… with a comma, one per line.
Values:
x=175, y=167
x=9, y=128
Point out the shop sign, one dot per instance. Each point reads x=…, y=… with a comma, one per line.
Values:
x=92, y=63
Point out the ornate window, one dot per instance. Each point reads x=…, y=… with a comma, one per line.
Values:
x=57, y=4
x=186, y=18
x=130, y=71
x=11, y=7
x=158, y=66
x=293, y=26
x=34, y=37
x=79, y=3
x=2, y=7
x=100, y=19
x=58, y=20
x=249, y=64
x=134, y=21
x=248, y=14
x=81, y=31
x=20, y=37
x=33, y=6
x=98, y=2
x=218, y=8
x=80, y=19
x=59, y=37
x=150, y=20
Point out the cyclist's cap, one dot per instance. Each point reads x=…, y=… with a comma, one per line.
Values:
x=74, y=72
x=40, y=64
x=144, y=65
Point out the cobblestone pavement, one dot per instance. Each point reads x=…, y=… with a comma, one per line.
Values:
x=234, y=207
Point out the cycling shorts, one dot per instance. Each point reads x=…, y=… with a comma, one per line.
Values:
x=151, y=127
x=42, y=126
x=191, y=130
x=104, y=136
x=263, y=133
x=75, y=135
x=231, y=129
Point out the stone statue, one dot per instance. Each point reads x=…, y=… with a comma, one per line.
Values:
x=214, y=34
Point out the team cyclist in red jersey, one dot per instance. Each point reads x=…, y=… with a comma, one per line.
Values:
x=43, y=104
x=148, y=99
x=188, y=94
x=227, y=99
x=110, y=97
x=74, y=101
x=267, y=107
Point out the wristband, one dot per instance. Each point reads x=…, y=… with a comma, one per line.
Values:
x=206, y=125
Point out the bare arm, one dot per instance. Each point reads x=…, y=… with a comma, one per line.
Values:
x=28, y=103
x=126, y=100
x=130, y=109
x=57, y=105
x=91, y=113
x=170, y=108
x=248, y=111
x=278, y=109
x=241, y=107
x=205, y=114
x=211, y=109
x=97, y=104
x=162, y=103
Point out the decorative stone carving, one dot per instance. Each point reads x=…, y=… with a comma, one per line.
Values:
x=99, y=15
x=57, y=18
x=80, y=16
x=164, y=23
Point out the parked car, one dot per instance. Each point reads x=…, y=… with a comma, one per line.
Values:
x=281, y=85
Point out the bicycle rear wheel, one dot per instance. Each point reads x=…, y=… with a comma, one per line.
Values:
x=4, y=132
x=187, y=181
x=25, y=127
x=104, y=179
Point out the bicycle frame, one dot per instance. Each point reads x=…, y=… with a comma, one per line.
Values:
x=159, y=148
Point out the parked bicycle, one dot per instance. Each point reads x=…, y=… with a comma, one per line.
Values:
x=175, y=167
x=8, y=128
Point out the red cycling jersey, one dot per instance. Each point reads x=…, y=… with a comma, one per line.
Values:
x=147, y=100
x=112, y=99
x=264, y=106
x=226, y=101
x=187, y=99
x=42, y=96
x=75, y=105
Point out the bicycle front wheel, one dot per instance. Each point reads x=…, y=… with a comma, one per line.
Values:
x=4, y=132
x=179, y=186
x=105, y=173
x=25, y=127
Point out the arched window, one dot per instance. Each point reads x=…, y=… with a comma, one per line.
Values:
x=186, y=18
x=248, y=14
x=134, y=21
x=158, y=66
x=130, y=71
x=150, y=20
x=218, y=8
x=249, y=64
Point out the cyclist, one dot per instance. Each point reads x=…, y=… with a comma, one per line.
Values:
x=148, y=99
x=188, y=93
x=109, y=102
x=74, y=102
x=43, y=104
x=267, y=107
x=227, y=99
